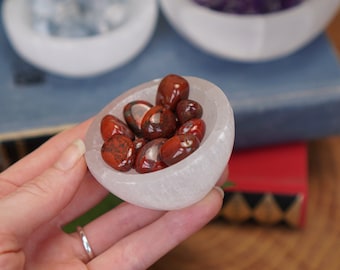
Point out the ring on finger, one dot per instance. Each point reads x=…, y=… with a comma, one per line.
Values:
x=85, y=243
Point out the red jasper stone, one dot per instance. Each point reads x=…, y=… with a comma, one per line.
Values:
x=194, y=126
x=158, y=122
x=134, y=113
x=171, y=90
x=188, y=109
x=148, y=159
x=111, y=125
x=178, y=147
x=119, y=152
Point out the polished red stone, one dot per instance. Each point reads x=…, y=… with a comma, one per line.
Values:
x=119, y=152
x=195, y=127
x=158, y=122
x=171, y=89
x=178, y=147
x=134, y=112
x=148, y=159
x=188, y=109
x=111, y=125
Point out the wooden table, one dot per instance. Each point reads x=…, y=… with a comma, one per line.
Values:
x=317, y=246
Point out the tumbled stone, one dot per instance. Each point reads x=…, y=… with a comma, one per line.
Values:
x=172, y=88
x=178, y=147
x=148, y=158
x=158, y=122
x=119, y=152
x=194, y=126
x=188, y=109
x=111, y=125
x=133, y=114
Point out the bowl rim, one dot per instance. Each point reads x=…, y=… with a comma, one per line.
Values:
x=248, y=33
x=220, y=112
x=172, y=187
x=28, y=30
x=202, y=10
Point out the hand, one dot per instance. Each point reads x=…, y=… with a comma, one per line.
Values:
x=51, y=187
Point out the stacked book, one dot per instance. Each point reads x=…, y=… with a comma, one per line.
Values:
x=270, y=185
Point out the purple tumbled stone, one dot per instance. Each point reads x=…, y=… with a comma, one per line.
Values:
x=213, y=4
x=248, y=6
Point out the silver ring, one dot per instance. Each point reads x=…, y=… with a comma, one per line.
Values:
x=85, y=242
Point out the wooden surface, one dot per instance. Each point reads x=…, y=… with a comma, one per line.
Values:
x=317, y=246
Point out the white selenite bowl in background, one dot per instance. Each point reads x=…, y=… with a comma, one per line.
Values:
x=85, y=56
x=185, y=182
x=250, y=38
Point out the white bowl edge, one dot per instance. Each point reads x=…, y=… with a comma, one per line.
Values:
x=249, y=38
x=80, y=57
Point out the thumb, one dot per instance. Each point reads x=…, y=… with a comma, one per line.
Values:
x=41, y=199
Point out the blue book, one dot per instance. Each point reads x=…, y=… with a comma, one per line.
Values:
x=293, y=98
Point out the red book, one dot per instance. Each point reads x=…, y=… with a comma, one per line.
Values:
x=270, y=185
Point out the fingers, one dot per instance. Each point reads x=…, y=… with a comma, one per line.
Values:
x=115, y=225
x=40, y=200
x=45, y=156
x=142, y=248
x=89, y=194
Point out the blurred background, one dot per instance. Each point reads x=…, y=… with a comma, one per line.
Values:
x=283, y=211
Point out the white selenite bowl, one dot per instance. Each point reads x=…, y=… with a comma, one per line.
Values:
x=85, y=56
x=249, y=38
x=185, y=182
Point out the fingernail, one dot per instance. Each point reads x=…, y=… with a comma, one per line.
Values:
x=71, y=155
x=220, y=191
